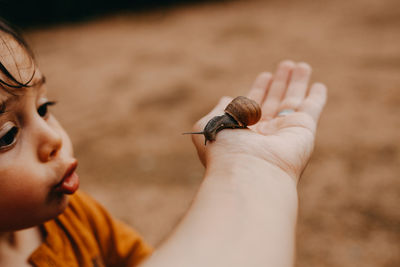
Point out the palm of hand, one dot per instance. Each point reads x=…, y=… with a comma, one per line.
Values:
x=283, y=141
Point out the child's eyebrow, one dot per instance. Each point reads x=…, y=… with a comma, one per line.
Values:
x=40, y=81
x=3, y=103
x=2, y=108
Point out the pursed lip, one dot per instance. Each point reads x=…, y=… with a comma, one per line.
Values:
x=70, y=170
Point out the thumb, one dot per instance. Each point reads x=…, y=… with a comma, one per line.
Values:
x=198, y=139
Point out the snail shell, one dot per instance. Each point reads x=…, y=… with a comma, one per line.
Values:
x=245, y=111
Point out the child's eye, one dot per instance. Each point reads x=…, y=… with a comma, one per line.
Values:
x=43, y=109
x=8, y=138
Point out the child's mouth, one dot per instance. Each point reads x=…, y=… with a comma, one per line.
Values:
x=70, y=182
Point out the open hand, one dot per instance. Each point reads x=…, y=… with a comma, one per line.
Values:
x=284, y=141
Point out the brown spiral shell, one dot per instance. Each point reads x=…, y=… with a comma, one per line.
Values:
x=244, y=110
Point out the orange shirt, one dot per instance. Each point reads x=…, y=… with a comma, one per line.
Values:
x=85, y=235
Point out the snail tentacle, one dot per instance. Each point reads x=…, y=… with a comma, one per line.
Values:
x=239, y=113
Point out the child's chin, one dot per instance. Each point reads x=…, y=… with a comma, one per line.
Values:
x=58, y=204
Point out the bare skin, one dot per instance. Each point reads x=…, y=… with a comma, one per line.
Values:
x=16, y=247
x=245, y=211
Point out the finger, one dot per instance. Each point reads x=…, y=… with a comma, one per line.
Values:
x=260, y=87
x=297, y=88
x=277, y=89
x=315, y=101
x=198, y=139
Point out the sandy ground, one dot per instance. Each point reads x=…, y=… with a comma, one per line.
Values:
x=129, y=85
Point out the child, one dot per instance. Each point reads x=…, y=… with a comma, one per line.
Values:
x=243, y=215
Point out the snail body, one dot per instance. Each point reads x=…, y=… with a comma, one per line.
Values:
x=239, y=113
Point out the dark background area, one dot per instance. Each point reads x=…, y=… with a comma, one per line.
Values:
x=28, y=13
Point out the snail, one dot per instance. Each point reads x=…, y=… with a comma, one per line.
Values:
x=239, y=113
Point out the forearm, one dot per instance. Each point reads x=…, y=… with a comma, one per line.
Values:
x=243, y=215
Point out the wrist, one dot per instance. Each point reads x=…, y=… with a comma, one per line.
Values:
x=245, y=167
x=252, y=181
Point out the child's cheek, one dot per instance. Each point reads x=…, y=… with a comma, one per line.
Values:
x=66, y=141
x=25, y=197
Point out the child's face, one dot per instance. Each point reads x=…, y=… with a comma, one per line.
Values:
x=35, y=151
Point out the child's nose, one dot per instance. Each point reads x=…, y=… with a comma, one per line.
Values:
x=50, y=143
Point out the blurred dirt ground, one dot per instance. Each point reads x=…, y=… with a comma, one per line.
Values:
x=128, y=85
